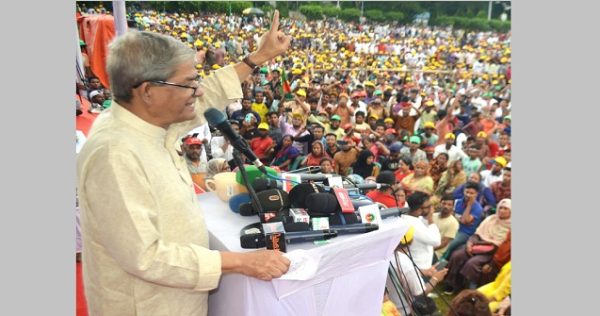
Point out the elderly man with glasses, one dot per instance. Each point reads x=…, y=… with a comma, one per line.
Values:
x=145, y=239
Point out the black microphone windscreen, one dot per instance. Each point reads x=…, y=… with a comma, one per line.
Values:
x=252, y=241
x=262, y=184
x=246, y=209
x=321, y=204
x=214, y=117
x=348, y=218
x=299, y=193
x=273, y=200
x=296, y=227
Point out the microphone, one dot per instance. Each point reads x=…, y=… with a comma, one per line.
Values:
x=262, y=184
x=307, y=236
x=254, y=238
x=271, y=201
x=218, y=120
x=314, y=176
x=309, y=169
x=370, y=186
x=358, y=228
x=393, y=211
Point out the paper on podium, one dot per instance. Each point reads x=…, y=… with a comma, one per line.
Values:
x=303, y=265
x=341, y=257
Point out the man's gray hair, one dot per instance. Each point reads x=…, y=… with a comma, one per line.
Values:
x=136, y=57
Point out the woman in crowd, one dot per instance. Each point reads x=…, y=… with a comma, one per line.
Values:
x=286, y=155
x=365, y=166
x=466, y=262
x=420, y=180
x=404, y=168
x=400, y=196
x=317, y=152
x=438, y=166
x=469, y=303
x=498, y=291
x=215, y=166
x=451, y=179
x=327, y=166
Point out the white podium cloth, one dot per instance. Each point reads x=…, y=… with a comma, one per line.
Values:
x=350, y=279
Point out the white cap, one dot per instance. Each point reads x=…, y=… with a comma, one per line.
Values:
x=94, y=93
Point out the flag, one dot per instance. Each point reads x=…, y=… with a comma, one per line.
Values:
x=284, y=83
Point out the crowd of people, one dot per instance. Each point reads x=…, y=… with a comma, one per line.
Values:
x=426, y=110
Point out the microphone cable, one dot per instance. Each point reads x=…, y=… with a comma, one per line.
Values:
x=417, y=270
x=281, y=179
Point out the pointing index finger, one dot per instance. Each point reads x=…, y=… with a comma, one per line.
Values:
x=275, y=22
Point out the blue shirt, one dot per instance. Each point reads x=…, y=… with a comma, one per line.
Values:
x=476, y=212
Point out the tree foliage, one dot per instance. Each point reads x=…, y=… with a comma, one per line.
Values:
x=350, y=14
x=375, y=15
x=312, y=12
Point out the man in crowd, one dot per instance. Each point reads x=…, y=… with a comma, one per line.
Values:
x=331, y=146
x=413, y=151
x=501, y=188
x=454, y=153
x=259, y=106
x=385, y=195
x=262, y=144
x=469, y=213
x=426, y=233
x=446, y=222
x=274, y=127
x=495, y=174
x=240, y=115
x=346, y=157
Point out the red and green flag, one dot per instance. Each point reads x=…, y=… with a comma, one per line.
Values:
x=284, y=83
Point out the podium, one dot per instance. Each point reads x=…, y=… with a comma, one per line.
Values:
x=350, y=278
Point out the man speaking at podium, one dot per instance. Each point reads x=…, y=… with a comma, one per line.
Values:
x=145, y=243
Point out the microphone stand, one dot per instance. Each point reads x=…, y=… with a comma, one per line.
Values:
x=237, y=157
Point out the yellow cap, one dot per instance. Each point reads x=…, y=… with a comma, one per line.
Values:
x=501, y=161
x=263, y=126
x=301, y=92
x=408, y=236
x=429, y=125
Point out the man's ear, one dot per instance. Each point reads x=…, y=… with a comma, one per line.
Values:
x=143, y=92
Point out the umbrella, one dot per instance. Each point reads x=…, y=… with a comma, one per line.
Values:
x=253, y=11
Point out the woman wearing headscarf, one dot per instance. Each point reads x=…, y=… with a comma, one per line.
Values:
x=420, y=180
x=452, y=178
x=216, y=165
x=438, y=166
x=317, y=152
x=365, y=166
x=466, y=263
x=284, y=157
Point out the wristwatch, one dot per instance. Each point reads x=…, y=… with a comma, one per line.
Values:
x=250, y=64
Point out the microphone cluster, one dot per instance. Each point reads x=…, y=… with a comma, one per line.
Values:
x=285, y=217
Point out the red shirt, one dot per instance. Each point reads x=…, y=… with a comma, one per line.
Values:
x=260, y=145
x=383, y=198
x=494, y=149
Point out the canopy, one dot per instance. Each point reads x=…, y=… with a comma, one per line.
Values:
x=253, y=11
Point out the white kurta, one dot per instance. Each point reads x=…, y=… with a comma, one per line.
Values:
x=145, y=243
